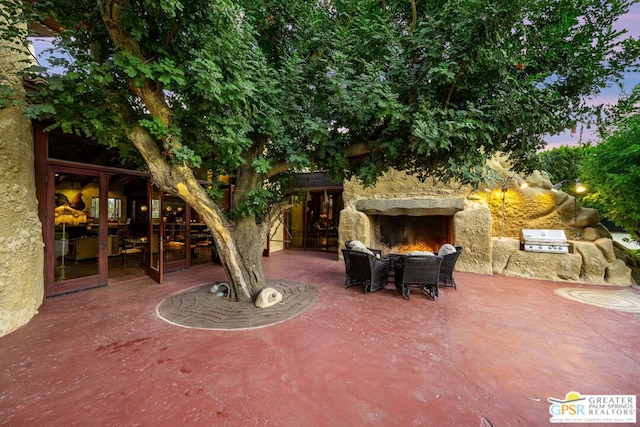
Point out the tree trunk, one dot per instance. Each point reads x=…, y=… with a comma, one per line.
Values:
x=239, y=245
x=249, y=239
x=240, y=250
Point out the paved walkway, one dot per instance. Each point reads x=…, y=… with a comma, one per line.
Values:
x=489, y=353
x=622, y=239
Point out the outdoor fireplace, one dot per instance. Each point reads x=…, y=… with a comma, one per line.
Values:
x=402, y=213
x=405, y=225
x=402, y=234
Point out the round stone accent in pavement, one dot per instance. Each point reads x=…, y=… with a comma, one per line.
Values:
x=199, y=308
x=621, y=300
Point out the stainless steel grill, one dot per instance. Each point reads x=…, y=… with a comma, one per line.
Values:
x=550, y=241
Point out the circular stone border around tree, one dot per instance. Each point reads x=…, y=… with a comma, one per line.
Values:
x=199, y=308
x=621, y=300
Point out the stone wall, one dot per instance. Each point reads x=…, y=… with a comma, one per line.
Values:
x=588, y=262
x=21, y=245
x=490, y=232
x=472, y=221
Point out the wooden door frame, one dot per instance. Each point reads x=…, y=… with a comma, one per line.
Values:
x=45, y=194
x=155, y=274
x=52, y=287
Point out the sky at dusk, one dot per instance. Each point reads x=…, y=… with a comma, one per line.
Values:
x=610, y=95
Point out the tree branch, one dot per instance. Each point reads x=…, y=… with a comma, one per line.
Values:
x=414, y=17
x=357, y=150
x=277, y=168
x=149, y=92
x=453, y=84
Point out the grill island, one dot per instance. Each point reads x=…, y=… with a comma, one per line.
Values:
x=549, y=241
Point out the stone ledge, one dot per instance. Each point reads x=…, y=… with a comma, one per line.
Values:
x=411, y=207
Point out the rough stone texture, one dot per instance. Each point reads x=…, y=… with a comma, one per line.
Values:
x=472, y=231
x=399, y=185
x=606, y=247
x=621, y=253
x=590, y=262
x=21, y=246
x=503, y=248
x=587, y=217
x=618, y=273
x=596, y=232
x=353, y=225
x=488, y=226
x=544, y=266
x=535, y=206
x=398, y=190
x=594, y=263
x=268, y=297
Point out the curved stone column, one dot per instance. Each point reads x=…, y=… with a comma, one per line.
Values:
x=21, y=246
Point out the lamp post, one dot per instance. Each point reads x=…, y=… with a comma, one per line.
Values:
x=578, y=189
x=504, y=193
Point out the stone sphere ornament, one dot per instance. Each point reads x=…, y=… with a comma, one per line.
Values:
x=268, y=297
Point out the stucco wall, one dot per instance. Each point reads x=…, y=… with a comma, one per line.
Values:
x=21, y=245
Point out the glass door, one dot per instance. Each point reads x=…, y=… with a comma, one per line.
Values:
x=155, y=255
x=322, y=216
x=128, y=242
x=75, y=230
x=176, y=237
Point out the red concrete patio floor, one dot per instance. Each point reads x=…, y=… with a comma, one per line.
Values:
x=489, y=353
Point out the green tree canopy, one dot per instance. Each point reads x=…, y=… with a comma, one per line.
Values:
x=563, y=163
x=256, y=89
x=612, y=170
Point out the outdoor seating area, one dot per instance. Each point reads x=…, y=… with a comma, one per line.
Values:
x=446, y=268
x=365, y=269
x=471, y=359
x=421, y=270
x=418, y=272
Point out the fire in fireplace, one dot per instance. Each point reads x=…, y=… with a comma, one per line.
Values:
x=401, y=234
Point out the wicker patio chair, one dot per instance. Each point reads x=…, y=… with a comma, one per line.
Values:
x=446, y=270
x=418, y=272
x=365, y=269
x=376, y=252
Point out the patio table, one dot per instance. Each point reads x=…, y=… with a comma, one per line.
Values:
x=395, y=266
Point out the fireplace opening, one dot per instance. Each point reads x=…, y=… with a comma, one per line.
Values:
x=401, y=234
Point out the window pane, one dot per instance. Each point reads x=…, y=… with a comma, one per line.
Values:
x=95, y=207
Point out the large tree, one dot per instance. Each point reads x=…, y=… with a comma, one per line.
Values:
x=612, y=168
x=563, y=163
x=257, y=89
